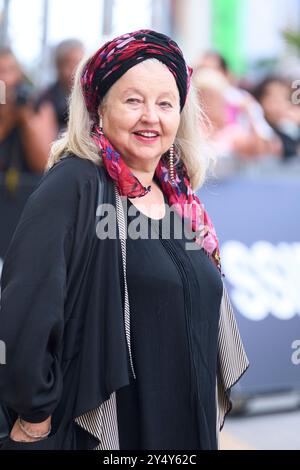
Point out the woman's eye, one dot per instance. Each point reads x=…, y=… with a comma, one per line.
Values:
x=133, y=100
x=165, y=104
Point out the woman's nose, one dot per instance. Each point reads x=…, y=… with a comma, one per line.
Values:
x=149, y=114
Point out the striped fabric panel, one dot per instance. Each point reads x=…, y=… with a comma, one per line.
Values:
x=232, y=358
x=123, y=236
x=102, y=423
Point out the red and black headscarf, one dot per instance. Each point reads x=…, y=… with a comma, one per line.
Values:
x=104, y=68
x=113, y=59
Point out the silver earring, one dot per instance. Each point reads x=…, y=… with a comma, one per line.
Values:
x=101, y=124
x=171, y=163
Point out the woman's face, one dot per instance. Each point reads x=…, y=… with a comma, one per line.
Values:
x=141, y=113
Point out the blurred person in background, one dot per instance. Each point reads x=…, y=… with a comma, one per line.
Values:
x=214, y=60
x=242, y=110
x=118, y=341
x=274, y=95
x=25, y=134
x=234, y=134
x=68, y=54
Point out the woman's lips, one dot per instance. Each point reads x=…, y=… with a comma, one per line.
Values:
x=146, y=140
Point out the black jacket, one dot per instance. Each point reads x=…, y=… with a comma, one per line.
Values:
x=54, y=302
x=62, y=310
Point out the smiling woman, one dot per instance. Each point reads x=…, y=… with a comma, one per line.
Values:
x=120, y=342
x=141, y=115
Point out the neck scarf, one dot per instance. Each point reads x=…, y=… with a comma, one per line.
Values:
x=106, y=66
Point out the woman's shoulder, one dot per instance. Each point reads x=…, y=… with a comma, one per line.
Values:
x=73, y=166
x=70, y=173
x=67, y=181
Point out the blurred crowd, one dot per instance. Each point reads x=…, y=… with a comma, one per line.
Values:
x=249, y=122
x=245, y=123
x=31, y=119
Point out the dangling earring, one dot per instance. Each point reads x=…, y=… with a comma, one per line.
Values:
x=171, y=164
x=101, y=124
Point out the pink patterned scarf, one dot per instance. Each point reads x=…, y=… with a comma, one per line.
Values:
x=178, y=191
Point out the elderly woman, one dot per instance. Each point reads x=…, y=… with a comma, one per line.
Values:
x=116, y=337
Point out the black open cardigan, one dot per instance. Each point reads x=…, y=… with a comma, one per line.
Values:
x=65, y=316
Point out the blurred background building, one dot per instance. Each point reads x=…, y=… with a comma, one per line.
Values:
x=248, y=33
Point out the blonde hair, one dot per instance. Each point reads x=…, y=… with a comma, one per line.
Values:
x=190, y=142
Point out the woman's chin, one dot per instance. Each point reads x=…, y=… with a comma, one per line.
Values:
x=144, y=155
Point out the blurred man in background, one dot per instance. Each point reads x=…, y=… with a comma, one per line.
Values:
x=274, y=95
x=67, y=56
x=25, y=133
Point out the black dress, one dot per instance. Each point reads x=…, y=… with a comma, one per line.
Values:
x=174, y=295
